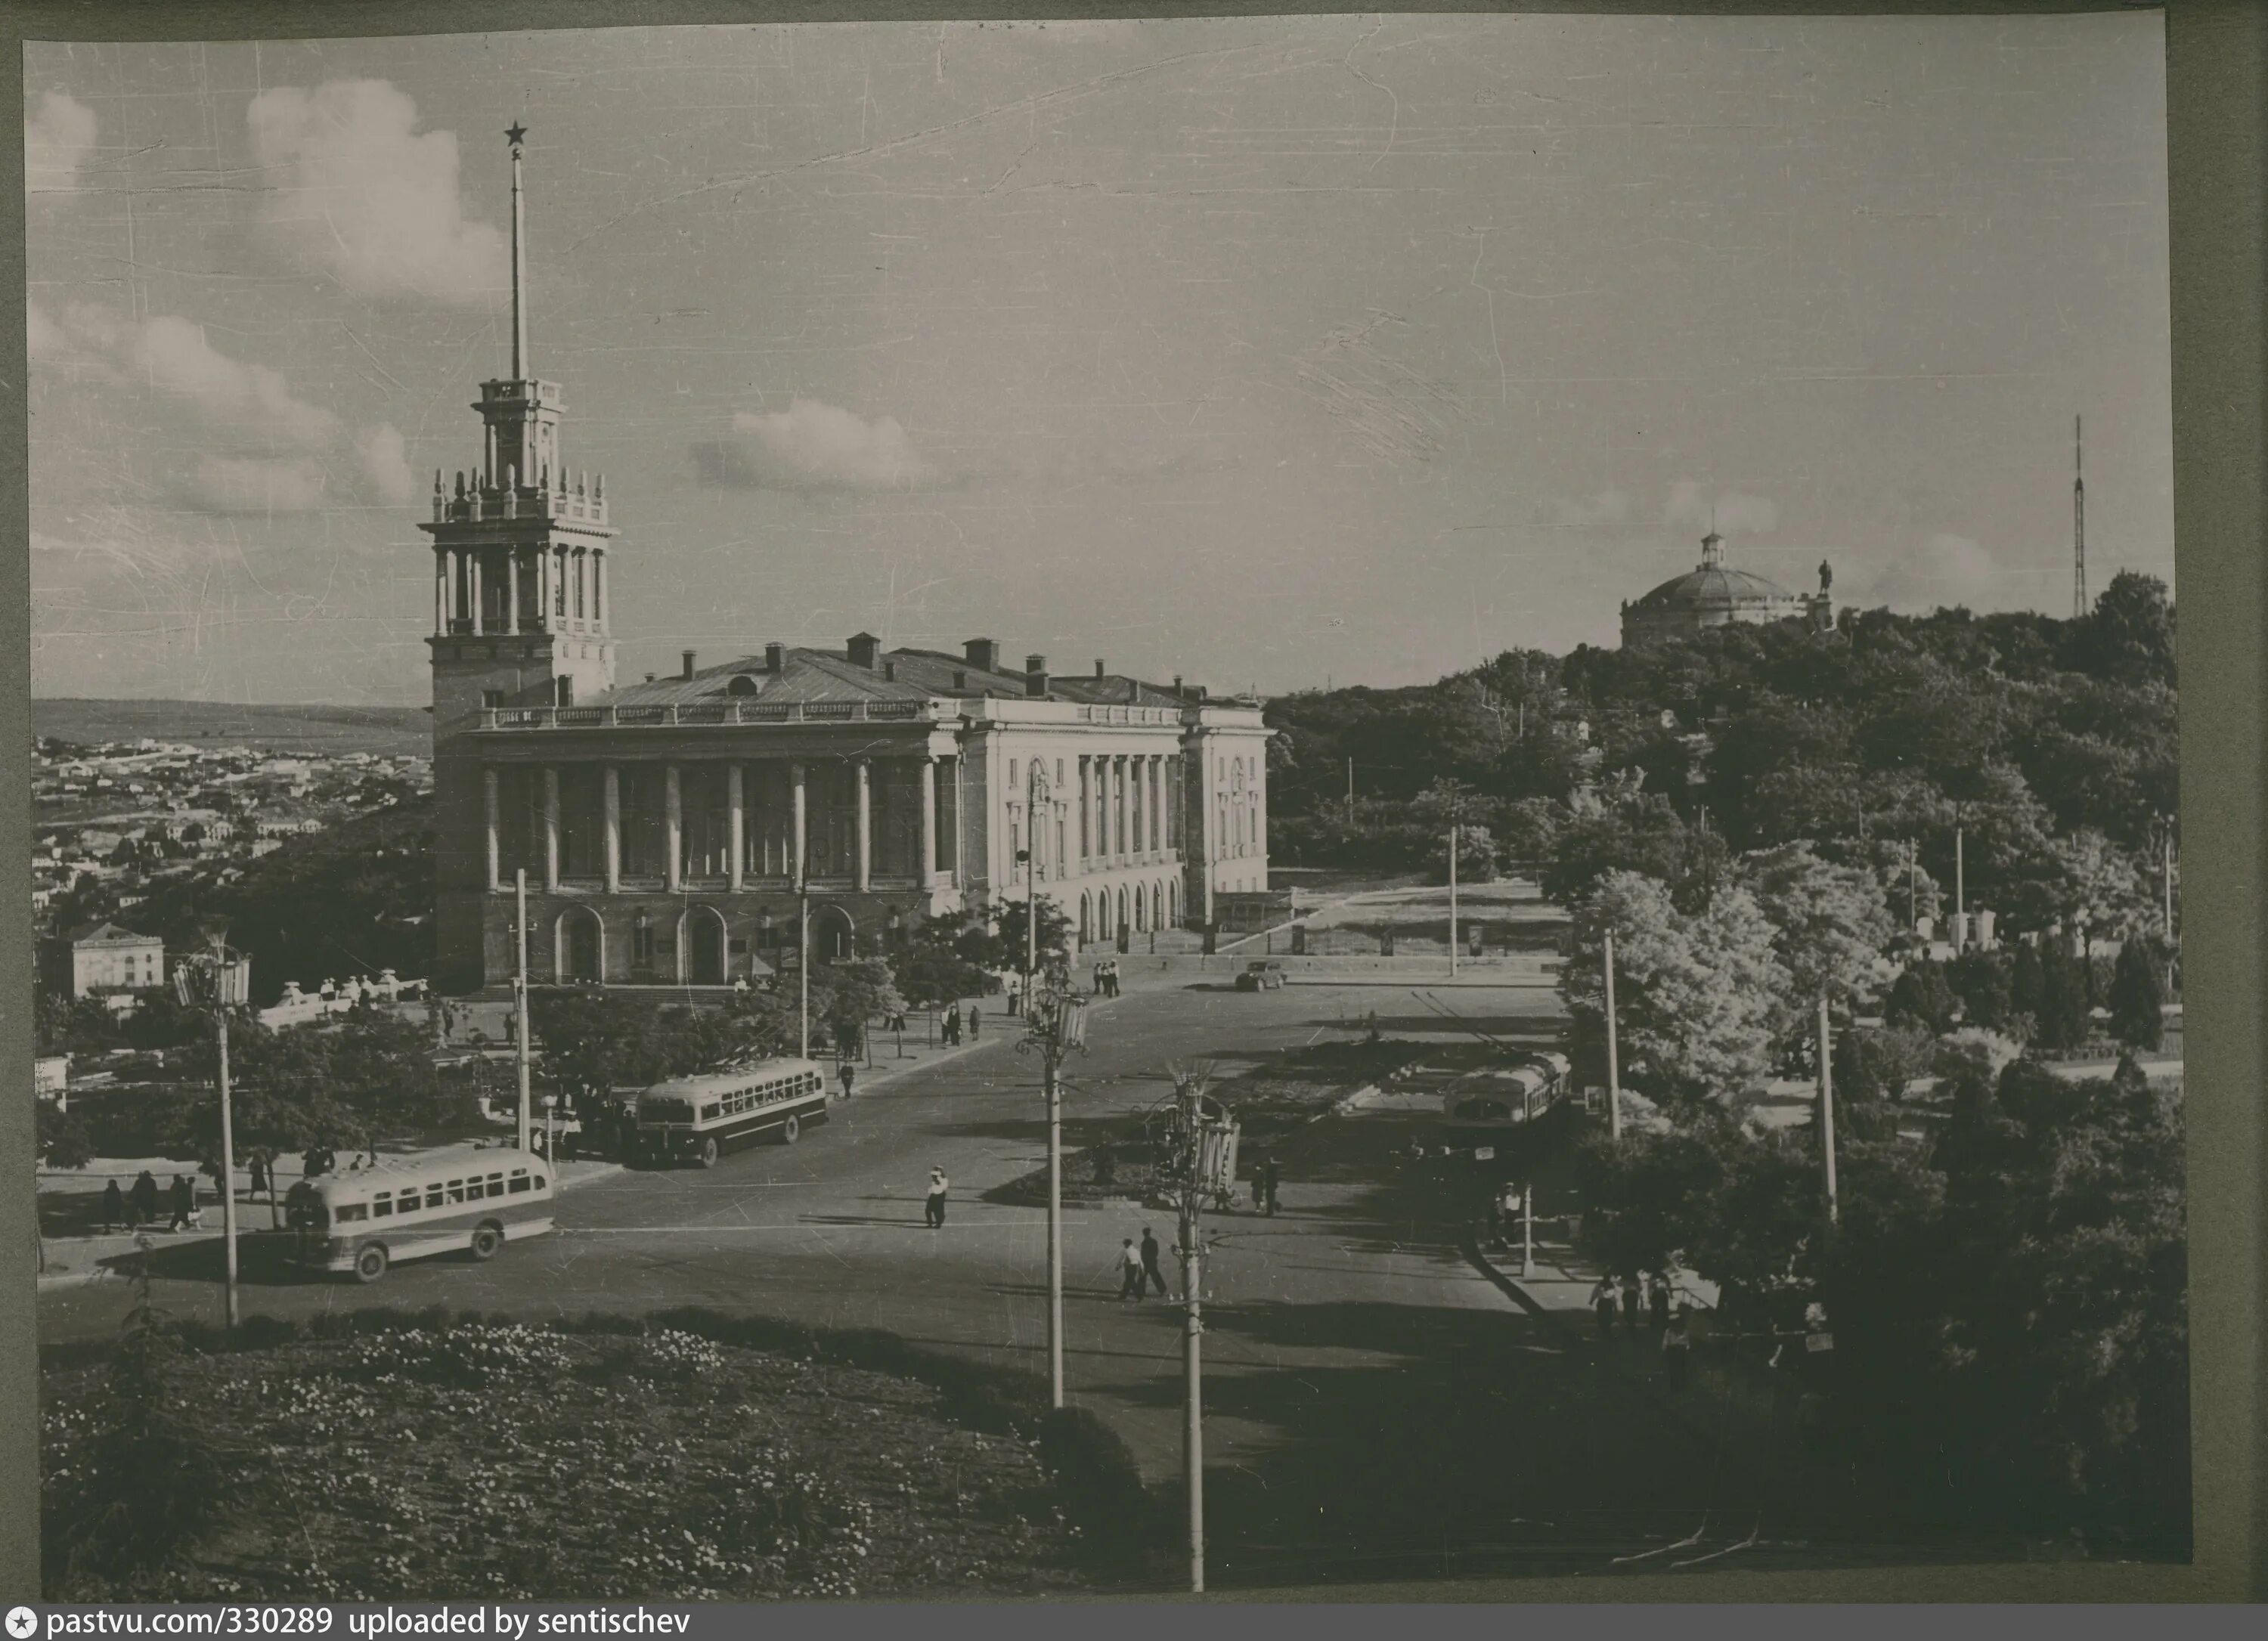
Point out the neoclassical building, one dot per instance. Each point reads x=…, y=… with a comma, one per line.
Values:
x=1714, y=594
x=665, y=828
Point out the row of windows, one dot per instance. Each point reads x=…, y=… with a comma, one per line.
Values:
x=758, y=1094
x=411, y=1199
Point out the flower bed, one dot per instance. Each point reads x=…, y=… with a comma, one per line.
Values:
x=510, y=1462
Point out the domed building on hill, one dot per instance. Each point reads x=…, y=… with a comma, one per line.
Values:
x=1712, y=595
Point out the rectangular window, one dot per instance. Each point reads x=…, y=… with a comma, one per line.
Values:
x=704, y=800
x=520, y=822
x=519, y=1183
x=496, y=1185
x=456, y=1190
x=708, y=1113
x=645, y=820
x=492, y=699
x=582, y=820
x=351, y=1211
x=381, y=1206
x=433, y=1197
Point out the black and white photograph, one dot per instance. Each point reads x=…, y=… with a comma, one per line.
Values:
x=909, y=811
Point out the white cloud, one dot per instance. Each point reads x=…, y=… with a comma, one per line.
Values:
x=384, y=464
x=811, y=446
x=173, y=353
x=257, y=484
x=1729, y=513
x=1602, y=512
x=1947, y=572
x=358, y=192
x=58, y=136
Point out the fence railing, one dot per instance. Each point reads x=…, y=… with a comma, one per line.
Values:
x=668, y=714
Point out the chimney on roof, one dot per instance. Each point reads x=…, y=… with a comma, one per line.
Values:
x=1035, y=675
x=1133, y=690
x=688, y=664
x=984, y=654
x=864, y=647
x=775, y=659
x=1179, y=694
x=1098, y=667
x=890, y=672
x=649, y=678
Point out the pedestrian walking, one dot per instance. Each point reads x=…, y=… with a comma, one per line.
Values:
x=848, y=1072
x=934, y=1211
x=975, y=1032
x=1603, y=1303
x=952, y=1027
x=1677, y=1347
x=1130, y=1267
x=1098, y=976
x=1657, y=1301
x=262, y=1180
x=1630, y=1303
x=185, y=1200
x=1271, y=1176
x=1150, y=1266
x=143, y=1200
x=1112, y=969
x=1015, y=995
x=113, y=1207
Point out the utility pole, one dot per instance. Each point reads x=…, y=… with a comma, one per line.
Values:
x=1528, y=1184
x=1614, y=1069
x=803, y=960
x=1189, y=1098
x=1959, y=886
x=1913, y=884
x=1055, y=1024
x=1826, y=1108
x=1350, y=763
x=220, y=980
x=519, y=999
x=1453, y=901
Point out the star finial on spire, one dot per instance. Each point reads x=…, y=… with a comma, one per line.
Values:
x=516, y=132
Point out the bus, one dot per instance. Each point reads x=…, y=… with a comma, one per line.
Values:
x=470, y=1198
x=698, y=1119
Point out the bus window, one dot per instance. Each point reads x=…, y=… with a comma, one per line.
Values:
x=433, y=1195
x=351, y=1210
x=456, y=1190
x=519, y=1180
x=496, y=1185
x=708, y=1113
x=381, y=1206
x=539, y=1181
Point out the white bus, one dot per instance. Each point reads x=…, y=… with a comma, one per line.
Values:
x=468, y=1198
x=699, y=1118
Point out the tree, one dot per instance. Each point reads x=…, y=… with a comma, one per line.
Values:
x=63, y=1142
x=1923, y=996
x=2027, y=993
x=1696, y=994
x=2063, y=1022
x=2128, y=637
x=1054, y=933
x=2137, y=999
x=1476, y=857
x=1829, y=922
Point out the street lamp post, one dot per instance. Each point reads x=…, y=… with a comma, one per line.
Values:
x=519, y=1003
x=1614, y=1069
x=1206, y=1157
x=219, y=980
x=1055, y=1024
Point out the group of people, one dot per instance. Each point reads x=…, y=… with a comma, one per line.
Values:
x=952, y=1026
x=1138, y=1267
x=1266, y=1176
x=1653, y=1293
x=1106, y=977
x=132, y=1209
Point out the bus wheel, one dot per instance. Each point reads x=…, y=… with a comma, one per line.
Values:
x=370, y=1264
x=486, y=1241
x=709, y=1153
x=790, y=1131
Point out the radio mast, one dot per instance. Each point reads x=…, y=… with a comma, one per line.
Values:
x=2078, y=522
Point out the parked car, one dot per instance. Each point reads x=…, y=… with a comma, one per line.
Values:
x=1263, y=977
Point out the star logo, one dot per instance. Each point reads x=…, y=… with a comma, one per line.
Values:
x=515, y=132
x=22, y=1621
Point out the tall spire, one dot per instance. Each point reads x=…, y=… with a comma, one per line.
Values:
x=2077, y=521
x=515, y=134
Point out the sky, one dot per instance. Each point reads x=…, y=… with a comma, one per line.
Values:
x=1271, y=353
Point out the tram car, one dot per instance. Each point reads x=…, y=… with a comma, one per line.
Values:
x=1493, y=1104
x=698, y=1119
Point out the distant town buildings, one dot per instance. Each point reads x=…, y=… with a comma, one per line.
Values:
x=102, y=959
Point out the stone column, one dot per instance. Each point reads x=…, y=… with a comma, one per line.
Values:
x=736, y=798
x=797, y=837
x=599, y=592
x=489, y=800
x=928, y=796
x=473, y=589
x=551, y=827
x=1085, y=812
x=674, y=803
x=441, y=592
x=1140, y=786
x=1117, y=806
x=1157, y=834
x=511, y=589
x=866, y=824
x=543, y=596
x=613, y=830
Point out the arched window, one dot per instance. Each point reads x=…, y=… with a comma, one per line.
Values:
x=741, y=685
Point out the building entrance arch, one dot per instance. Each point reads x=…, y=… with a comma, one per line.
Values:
x=834, y=937
x=579, y=945
x=701, y=959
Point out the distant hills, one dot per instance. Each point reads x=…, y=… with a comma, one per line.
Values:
x=388, y=731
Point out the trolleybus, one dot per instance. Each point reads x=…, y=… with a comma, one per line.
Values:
x=454, y=1198
x=697, y=1119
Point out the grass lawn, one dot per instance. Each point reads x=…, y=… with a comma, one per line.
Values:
x=520, y=1463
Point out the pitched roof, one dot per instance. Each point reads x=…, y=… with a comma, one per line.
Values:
x=104, y=932
x=831, y=675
